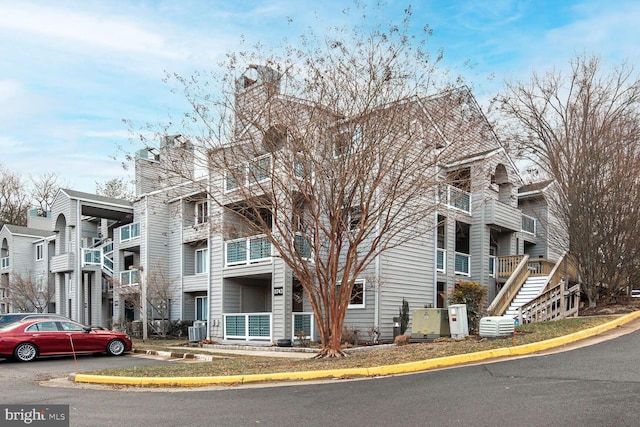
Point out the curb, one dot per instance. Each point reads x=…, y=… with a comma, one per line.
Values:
x=402, y=368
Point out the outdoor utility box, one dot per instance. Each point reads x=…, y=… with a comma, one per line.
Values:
x=458, y=322
x=496, y=326
x=429, y=323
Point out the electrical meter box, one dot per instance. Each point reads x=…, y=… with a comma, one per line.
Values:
x=458, y=322
x=429, y=323
x=496, y=326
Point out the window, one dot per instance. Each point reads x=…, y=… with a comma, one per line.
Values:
x=202, y=212
x=353, y=217
x=201, y=261
x=202, y=308
x=357, y=295
x=39, y=252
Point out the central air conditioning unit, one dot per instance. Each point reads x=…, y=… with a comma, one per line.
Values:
x=198, y=331
x=496, y=326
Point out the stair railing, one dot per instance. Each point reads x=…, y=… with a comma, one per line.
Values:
x=511, y=288
x=555, y=301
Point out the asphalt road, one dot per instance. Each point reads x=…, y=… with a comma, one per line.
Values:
x=598, y=385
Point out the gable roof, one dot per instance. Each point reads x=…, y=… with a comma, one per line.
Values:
x=26, y=231
x=73, y=194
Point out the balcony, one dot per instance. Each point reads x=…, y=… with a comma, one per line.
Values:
x=455, y=198
x=502, y=215
x=91, y=257
x=195, y=233
x=256, y=171
x=248, y=250
x=303, y=326
x=462, y=263
x=247, y=326
x=63, y=262
x=129, y=232
x=4, y=262
x=130, y=277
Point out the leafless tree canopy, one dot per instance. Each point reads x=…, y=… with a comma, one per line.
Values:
x=582, y=130
x=117, y=188
x=18, y=195
x=30, y=293
x=331, y=151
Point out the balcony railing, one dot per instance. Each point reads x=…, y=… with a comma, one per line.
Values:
x=462, y=262
x=441, y=260
x=129, y=231
x=130, y=277
x=4, y=262
x=91, y=256
x=528, y=224
x=247, y=326
x=247, y=251
x=303, y=326
x=303, y=247
x=256, y=170
x=455, y=198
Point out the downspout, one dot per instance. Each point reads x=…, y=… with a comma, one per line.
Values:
x=181, y=228
x=209, y=256
x=78, y=272
x=435, y=262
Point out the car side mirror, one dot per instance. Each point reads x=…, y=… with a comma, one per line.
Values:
x=86, y=329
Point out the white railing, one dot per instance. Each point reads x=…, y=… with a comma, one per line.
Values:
x=247, y=250
x=129, y=231
x=462, y=263
x=528, y=224
x=455, y=198
x=4, y=262
x=91, y=257
x=129, y=277
x=256, y=170
x=492, y=265
x=441, y=260
x=303, y=323
x=247, y=326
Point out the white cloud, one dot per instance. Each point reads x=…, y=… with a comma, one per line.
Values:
x=110, y=32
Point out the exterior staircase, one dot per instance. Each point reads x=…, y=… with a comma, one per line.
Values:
x=529, y=290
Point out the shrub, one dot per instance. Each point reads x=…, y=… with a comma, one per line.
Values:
x=404, y=316
x=473, y=295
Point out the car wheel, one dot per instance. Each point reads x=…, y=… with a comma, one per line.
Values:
x=115, y=347
x=25, y=352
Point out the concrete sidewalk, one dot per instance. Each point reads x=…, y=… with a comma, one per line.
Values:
x=403, y=368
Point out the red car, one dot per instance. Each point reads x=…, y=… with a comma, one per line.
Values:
x=27, y=339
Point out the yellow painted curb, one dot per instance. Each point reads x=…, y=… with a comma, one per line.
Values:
x=402, y=368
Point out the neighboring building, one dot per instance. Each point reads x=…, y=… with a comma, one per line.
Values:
x=194, y=263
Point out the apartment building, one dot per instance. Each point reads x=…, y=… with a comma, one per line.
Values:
x=194, y=261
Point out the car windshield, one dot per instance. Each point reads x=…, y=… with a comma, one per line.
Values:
x=5, y=319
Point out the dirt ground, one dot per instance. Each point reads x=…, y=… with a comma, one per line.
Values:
x=620, y=306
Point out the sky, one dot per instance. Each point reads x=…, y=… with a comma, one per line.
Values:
x=71, y=71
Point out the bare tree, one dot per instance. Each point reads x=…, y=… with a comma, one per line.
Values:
x=582, y=130
x=14, y=200
x=44, y=188
x=117, y=188
x=331, y=151
x=29, y=293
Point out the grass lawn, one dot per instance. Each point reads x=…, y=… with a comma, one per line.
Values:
x=244, y=365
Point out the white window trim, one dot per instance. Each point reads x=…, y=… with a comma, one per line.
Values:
x=364, y=295
x=202, y=212
x=39, y=251
x=206, y=261
x=205, y=309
